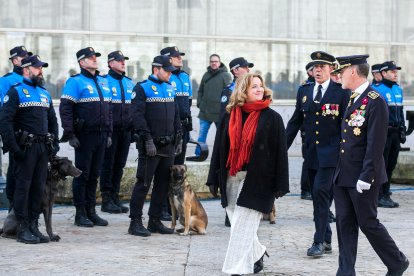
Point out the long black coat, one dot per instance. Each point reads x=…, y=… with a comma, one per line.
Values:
x=268, y=170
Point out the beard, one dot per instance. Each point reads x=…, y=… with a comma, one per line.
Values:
x=37, y=80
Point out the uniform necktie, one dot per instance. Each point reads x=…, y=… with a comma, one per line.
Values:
x=318, y=96
x=353, y=96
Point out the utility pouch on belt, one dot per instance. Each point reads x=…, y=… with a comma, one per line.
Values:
x=78, y=124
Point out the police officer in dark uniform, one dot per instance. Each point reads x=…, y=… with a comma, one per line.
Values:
x=309, y=72
x=16, y=55
x=156, y=120
x=86, y=116
x=116, y=155
x=361, y=170
x=319, y=109
x=30, y=130
x=181, y=82
x=376, y=74
x=393, y=95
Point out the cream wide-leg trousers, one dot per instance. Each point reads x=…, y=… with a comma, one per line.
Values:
x=244, y=248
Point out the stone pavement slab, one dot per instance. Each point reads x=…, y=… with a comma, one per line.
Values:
x=112, y=251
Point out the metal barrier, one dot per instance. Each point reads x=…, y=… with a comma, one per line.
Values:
x=203, y=152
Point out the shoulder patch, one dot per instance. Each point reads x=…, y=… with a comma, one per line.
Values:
x=307, y=83
x=373, y=95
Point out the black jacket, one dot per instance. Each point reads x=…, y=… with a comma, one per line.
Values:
x=267, y=172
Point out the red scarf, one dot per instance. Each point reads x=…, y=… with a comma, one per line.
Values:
x=242, y=137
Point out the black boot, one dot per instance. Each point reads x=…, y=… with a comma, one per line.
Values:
x=227, y=221
x=108, y=205
x=81, y=219
x=258, y=265
x=155, y=226
x=34, y=228
x=98, y=221
x=115, y=198
x=24, y=234
x=136, y=228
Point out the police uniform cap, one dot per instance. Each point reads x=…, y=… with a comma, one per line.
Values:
x=309, y=66
x=171, y=51
x=19, y=51
x=320, y=57
x=116, y=55
x=389, y=65
x=376, y=68
x=240, y=62
x=86, y=52
x=33, y=61
x=164, y=62
x=346, y=61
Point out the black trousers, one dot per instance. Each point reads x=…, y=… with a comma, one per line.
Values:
x=391, y=151
x=321, y=184
x=180, y=159
x=30, y=174
x=10, y=179
x=114, y=162
x=353, y=211
x=149, y=168
x=88, y=158
x=304, y=178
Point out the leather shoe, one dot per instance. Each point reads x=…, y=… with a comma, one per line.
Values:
x=328, y=247
x=386, y=202
x=317, y=249
x=165, y=216
x=306, y=195
x=258, y=265
x=155, y=226
x=400, y=271
x=227, y=221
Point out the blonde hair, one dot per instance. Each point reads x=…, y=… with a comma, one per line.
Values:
x=239, y=96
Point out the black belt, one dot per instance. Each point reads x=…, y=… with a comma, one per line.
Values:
x=39, y=139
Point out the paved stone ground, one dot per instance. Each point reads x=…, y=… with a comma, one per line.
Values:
x=111, y=251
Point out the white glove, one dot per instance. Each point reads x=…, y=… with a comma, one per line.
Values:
x=361, y=185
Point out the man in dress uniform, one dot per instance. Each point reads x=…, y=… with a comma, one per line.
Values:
x=86, y=116
x=116, y=155
x=319, y=110
x=361, y=171
x=16, y=55
x=393, y=95
x=156, y=120
x=29, y=125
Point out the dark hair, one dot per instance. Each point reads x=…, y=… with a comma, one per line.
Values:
x=362, y=69
x=152, y=68
x=215, y=55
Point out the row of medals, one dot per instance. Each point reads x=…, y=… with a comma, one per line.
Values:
x=357, y=119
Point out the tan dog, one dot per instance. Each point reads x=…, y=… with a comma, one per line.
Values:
x=271, y=217
x=185, y=203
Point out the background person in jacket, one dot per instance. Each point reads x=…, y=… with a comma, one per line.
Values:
x=250, y=166
x=209, y=96
x=116, y=155
x=86, y=116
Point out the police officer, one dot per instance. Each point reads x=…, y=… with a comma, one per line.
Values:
x=116, y=155
x=309, y=72
x=155, y=116
x=29, y=125
x=181, y=82
x=238, y=67
x=376, y=74
x=16, y=55
x=86, y=117
x=361, y=170
x=319, y=109
x=393, y=95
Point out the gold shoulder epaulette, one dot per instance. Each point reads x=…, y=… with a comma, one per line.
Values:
x=373, y=95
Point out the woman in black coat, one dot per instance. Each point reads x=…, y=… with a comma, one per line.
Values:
x=250, y=166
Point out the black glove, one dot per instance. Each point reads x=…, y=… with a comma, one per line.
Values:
x=19, y=155
x=74, y=142
x=179, y=147
x=402, y=133
x=213, y=189
x=108, y=142
x=150, y=148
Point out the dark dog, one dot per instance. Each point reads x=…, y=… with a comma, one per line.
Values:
x=271, y=217
x=59, y=168
x=184, y=201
